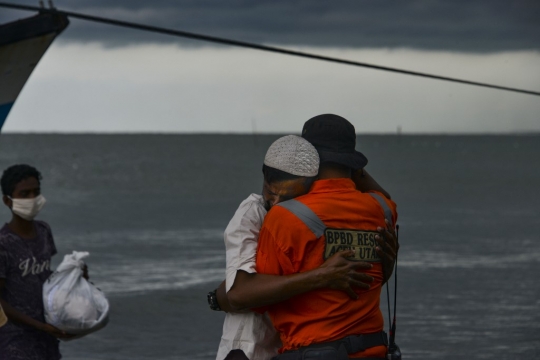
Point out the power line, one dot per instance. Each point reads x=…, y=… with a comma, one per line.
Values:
x=225, y=41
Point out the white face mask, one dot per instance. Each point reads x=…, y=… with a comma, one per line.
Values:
x=28, y=208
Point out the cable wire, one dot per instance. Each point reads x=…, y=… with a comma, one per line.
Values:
x=392, y=339
x=225, y=41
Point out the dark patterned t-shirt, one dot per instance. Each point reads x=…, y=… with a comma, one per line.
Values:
x=25, y=265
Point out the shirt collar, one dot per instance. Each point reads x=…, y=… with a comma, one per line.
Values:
x=328, y=185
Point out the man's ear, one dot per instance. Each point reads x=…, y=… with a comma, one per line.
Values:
x=7, y=201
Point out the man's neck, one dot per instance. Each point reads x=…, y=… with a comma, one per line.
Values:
x=329, y=171
x=22, y=227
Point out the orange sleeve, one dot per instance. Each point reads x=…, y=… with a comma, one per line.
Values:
x=271, y=258
x=267, y=262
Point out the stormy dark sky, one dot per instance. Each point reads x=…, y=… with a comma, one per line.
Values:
x=452, y=25
x=111, y=79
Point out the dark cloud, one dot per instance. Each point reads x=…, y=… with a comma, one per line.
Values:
x=458, y=25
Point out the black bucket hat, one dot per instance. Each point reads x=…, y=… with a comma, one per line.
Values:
x=335, y=139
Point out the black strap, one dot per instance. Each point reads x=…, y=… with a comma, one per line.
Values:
x=356, y=343
x=298, y=356
x=352, y=343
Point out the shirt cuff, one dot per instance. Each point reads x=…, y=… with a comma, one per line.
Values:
x=232, y=271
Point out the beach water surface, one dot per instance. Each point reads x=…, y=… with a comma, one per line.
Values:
x=151, y=210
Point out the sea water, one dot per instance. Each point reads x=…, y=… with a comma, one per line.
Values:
x=151, y=210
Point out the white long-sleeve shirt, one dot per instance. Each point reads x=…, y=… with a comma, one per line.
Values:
x=250, y=332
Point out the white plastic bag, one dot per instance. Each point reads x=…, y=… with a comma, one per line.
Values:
x=71, y=303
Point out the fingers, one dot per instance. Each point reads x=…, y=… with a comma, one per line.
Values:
x=344, y=253
x=390, y=228
x=341, y=259
x=56, y=332
x=339, y=256
x=359, y=285
x=392, y=232
x=388, y=261
x=385, y=256
x=385, y=250
x=357, y=265
x=355, y=277
x=352, y=280
x=360, y=265
x=386, y=235
x=359, y=280
x=61, y=334
x=351, y=293
x=354, y=284
x=388, y=248
x=389, y=232
x=338, y=260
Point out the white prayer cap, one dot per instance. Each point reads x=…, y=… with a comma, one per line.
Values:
x=294, y=155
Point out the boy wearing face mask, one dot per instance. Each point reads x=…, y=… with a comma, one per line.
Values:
x=26, y=248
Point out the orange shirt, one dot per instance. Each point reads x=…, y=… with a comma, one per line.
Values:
x=287, y=246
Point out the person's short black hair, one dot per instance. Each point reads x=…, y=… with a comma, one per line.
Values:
x=15, y=174
x=272, y=175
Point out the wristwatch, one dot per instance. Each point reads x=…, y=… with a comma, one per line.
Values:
x=212, y=301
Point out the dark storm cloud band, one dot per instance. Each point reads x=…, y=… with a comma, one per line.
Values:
x=261, y=47
x=472, y=26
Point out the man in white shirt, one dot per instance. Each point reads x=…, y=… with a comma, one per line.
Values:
x=290, y=166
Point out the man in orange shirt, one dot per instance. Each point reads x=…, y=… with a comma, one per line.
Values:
x=299, y=235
